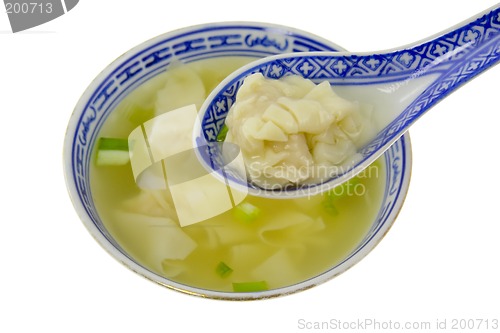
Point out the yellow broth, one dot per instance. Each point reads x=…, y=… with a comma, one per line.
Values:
x=280, y=243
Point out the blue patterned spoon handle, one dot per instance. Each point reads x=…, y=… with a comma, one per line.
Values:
x=454, y=58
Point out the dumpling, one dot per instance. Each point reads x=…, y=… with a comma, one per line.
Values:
x=290, y=128
x=282, y=118
x=310, y=114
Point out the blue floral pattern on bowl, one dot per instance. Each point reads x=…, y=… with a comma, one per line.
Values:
x=187, y=45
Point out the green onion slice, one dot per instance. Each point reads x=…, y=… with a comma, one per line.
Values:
x=250, y=286
x=223, y=270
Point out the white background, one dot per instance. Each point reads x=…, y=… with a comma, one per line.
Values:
x=439, y=261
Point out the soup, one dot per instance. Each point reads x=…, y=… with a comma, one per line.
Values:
x=260, y=243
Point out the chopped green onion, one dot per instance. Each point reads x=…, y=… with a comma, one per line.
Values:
x=223, y=270
x=330, y=207
x=221, y=136
x=113, y=144
x=250, y=286
x=246, y=212
x=112, y=151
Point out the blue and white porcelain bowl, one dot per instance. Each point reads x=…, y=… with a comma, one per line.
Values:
x=191, y=44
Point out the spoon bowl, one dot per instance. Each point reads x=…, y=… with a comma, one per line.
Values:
x=400, y=84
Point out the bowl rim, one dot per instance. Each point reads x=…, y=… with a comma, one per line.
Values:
x=129, y=262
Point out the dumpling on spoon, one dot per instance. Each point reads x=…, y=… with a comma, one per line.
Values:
x=293, y=131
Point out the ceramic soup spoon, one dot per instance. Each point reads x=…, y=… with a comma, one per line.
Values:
x=400, y=84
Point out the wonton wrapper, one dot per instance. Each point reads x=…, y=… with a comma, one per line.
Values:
x=292, y=131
